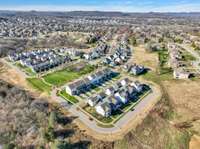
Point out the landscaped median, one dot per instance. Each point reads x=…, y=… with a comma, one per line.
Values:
x=68, y=97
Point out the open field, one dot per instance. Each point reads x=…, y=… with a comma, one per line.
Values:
x=39, y=84
x=141, y=56
x=195, y=142
x=186, y=102
x=163, y=57
x=66, y=75
x=187, y=57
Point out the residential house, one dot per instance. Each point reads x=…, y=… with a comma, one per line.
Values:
x=101, y=95
x=138, y=86
x=122, y=96
x=93, y=101
x=111, y=90
x=125, y=82
x=136, y=69
x=181, y=74
x=114, y=103
x=85, y=84
x=103, y=109
x=71, y=89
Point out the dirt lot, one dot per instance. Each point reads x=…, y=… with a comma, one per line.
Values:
x=195, y=142
x=185, y=96
x=141, y=56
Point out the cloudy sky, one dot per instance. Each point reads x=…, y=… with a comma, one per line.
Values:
x=103, y=5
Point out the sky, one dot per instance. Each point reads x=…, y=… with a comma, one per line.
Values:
x=103, y=5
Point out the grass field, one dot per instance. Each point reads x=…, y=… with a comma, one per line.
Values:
x=188, y=57
x=68, y=97
x=39, y=84
x=163, y=57
x=61, y=77
x=27, y=70
x=152, y=76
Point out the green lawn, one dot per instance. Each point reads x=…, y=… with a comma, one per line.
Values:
x=188, y=57
x=27, y=70
x=151, y=76
x=105, y=126
x=163, y=57
x=68, y=97
x=39, y=84
x=61, y=77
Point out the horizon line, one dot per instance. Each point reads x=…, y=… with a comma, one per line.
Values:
x=187, y=8
x=33, y=10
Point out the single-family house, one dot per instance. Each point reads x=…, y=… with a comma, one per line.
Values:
x=101, y=95
x=103, y=109
x=138, y=86
x=125, y=82
x=114, y=103
x=93, y=101
x=136, y=69
x=110, y=91
x=71, y=89
x=122, y=96
x=181, y=74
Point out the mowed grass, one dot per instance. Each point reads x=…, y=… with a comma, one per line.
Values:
x=68, y=97
x=61, y=77
x=39, y=84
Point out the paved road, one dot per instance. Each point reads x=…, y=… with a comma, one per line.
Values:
x=129, y=116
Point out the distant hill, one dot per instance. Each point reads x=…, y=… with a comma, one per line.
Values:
x=97, y=14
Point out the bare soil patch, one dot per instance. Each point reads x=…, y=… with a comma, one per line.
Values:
x=141, y=56
x=195, y=142
x=185, y=97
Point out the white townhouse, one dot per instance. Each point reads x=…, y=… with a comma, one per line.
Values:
x=103, y=109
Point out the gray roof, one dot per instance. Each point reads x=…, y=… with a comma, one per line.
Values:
x=106, y=106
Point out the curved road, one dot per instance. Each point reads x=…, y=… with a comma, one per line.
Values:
x=129, y=116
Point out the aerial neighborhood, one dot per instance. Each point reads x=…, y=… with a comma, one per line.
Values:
x=105, y=72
